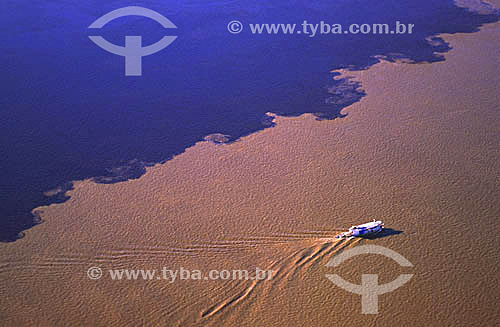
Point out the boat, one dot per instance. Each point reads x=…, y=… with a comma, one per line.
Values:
x=363, y=229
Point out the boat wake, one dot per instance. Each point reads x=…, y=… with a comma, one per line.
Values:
x=287, y=255
x=284, y=270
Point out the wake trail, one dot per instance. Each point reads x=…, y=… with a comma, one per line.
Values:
x=283, y=271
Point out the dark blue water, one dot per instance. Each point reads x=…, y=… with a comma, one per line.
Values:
x=69, y=113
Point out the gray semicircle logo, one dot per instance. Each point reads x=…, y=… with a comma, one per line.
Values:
x=369, y=288
x=133, y=51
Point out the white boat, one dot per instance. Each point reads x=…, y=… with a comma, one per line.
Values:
x=363, y=229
